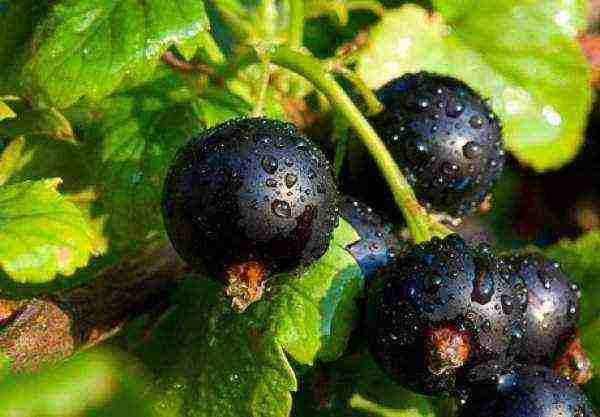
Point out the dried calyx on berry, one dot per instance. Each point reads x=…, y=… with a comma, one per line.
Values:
x=247, y=199
x=440, y=309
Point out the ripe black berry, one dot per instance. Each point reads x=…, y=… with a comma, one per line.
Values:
x=445, y=138
x=553, y=310
x=247, y=198
x=378, y=244
x=441, y=308
x=534, y=391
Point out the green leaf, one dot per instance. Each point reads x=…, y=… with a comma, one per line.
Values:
x=46, y=121
x=89, y=47
x=127, y=142
x=315, y=313
x=580, y=260
x=355, y=386
x=522, y=55
x=97, y=383
x=222, y=363
x=11, y=158
x=5, y=111
x=18, y=19
x=41, y=233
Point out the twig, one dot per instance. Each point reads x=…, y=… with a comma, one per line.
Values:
x=48, y=329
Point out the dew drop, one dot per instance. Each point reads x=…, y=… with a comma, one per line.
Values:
x=472, y=150
x=423, y=103
x=433, y=283
x=288, y=162
x=454, y=108
x=449, y=168
x=572, y=309
x=421, y=147
x=281, y=208
x=516, y=333
x=486, y=326
x=507, y=304
x=483, y=286
x=290, y=180
x=476, y=121
x=269, y=164
x=271, y=183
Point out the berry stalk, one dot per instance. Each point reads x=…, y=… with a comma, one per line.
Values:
x=417, y=218
x=296, y=28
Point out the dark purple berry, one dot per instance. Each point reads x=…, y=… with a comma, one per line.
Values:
x=445, y=138
x=553, y=308
x=443, y=307
x=378, y=245
x=247, y=198
x=532, y=391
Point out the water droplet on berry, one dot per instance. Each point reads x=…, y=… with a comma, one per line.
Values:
x=476, y=121
x=271, y=182
x=486, y=326
x=269, y=164
x=483, y=287
x=290, y=180
x=449, y=168
x=454, y=108
x=472, y=150
x=423, y=103
x=281, y=208
x=507, y=304
x=433, y=283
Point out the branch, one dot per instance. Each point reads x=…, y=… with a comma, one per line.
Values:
x=49, y=329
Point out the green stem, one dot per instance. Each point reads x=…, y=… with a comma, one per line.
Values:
x=312, y=69
x=296, y=37
x=262, y=93
x=296, y=29
x=268, y=14
x=374, y=106
x=340, y=134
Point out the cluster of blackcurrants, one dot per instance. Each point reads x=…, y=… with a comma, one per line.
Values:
x=252, y=198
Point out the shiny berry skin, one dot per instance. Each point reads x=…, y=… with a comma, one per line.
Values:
x=250, y=190
x=533, y=391
x=444, y=137
x=443, y=295
x=553, y=310
x=378, y=245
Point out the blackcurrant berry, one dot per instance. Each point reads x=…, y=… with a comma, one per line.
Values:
x=378, y=244
x=247, y=198
x=444, y=137
x=553, y=309
x=441, y=308
x=533, y=391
